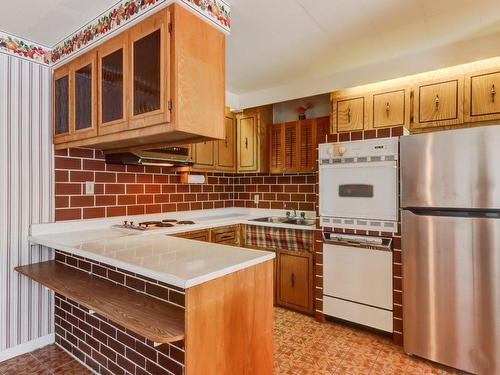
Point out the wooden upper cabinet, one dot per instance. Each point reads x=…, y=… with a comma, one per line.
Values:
x=204, y=155
x=290, y=147
x=293, y=145
x=322, y=130
x=113, y=85
x=247, y=143
x=61, y=104
x=438, y=103
x=482, y=100
x=150, y=73
x=75, y=99
x=226, y=149
x=252, y=139
x=348, y=113
x=307, y=145
x=275, y=151
x=391, y=108
x=158, y=83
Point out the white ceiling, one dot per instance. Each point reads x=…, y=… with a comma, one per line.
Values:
x=284, y=49
x=47, y=22
x=274, y=43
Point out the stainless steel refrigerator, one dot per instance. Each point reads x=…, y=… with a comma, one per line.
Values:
x=450, y=195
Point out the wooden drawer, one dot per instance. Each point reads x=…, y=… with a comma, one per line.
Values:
x=481, y=100
x=348, y=114
x=198, y=235
x=226, y=235
x=439, y=103
x=391, y=108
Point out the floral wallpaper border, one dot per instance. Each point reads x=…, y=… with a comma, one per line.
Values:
x=217, y=11
x=25, y=49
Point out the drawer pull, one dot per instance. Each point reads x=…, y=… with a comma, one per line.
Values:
x=493, y=92
x=225, y=141
x=246, y=142
x=349, y=114
x=227, y=237
x=293, y=280
x=437, y=101
x=387, y=108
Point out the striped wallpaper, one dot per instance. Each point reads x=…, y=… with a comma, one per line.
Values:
x=26, y=196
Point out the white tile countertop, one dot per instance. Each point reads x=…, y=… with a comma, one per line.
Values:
x=176, y=261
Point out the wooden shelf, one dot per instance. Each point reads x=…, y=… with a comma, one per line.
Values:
x=146, y=316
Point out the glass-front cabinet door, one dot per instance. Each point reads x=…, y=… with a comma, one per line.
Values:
x=84, y=91
x=150, y=62
x=112, y=85
x=61, y=104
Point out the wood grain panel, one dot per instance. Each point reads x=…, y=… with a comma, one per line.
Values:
x=390, y=108
x=482, y=101
x=348, y=114
x=439, y=103
x=229, y=324
x=197, y=235
x=226, y=149
x=294, y=283
x=149, y=317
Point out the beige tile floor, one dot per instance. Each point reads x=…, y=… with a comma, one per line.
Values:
x=302, y=346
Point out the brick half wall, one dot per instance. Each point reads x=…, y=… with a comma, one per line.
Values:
x=107, y=347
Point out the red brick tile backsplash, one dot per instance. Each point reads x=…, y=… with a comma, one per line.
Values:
x=129, y=190
x=133, y=190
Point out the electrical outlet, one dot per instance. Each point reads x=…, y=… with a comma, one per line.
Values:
x=256, y=198
x=89, y=188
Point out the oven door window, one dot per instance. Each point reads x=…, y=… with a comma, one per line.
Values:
x=356, y=191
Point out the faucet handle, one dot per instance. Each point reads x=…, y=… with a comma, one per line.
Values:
x=288, y=214
x=303, y=215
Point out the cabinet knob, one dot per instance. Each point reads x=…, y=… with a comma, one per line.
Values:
x=246, y=142
x=349, y=114
x=436, y=101
x=387, y=108
x=293, y=280
x=493, y=92
x=225, y=141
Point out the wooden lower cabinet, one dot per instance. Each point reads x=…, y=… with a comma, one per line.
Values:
x=229, y=235
x=198, y=235
x=294, y=280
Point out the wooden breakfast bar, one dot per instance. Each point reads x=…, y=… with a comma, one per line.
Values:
x=160, y=304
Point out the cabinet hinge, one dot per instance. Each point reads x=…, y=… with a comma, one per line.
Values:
x=170, y=27
x=170, y=105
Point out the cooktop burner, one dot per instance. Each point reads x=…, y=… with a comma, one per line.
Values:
x=154, y=224
x=185, y=222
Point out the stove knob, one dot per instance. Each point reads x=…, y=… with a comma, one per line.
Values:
x=125, y=223
x=131, y=223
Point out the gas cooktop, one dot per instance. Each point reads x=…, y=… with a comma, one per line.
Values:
x=155, y=224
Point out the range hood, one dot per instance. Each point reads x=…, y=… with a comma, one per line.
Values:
x=162, y=157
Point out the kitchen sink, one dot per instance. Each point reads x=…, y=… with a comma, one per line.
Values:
x=271, y=219
x=300, y=221
x=285, y=220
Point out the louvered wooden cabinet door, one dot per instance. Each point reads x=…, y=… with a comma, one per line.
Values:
x=290, y=147
x=322, y=130
x=275, y=148
x=307, y=145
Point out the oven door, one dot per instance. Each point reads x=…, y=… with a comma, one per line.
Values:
x=366, y=190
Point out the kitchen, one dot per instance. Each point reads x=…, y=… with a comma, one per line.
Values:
x=174, y=203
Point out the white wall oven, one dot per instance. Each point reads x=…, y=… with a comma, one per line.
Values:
x=358, y=184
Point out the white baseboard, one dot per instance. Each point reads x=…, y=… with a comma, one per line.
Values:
x=27, y=347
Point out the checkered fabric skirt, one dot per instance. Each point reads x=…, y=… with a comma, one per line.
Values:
x=279, y=238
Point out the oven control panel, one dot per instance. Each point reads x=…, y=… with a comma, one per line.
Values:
x=385, y=149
